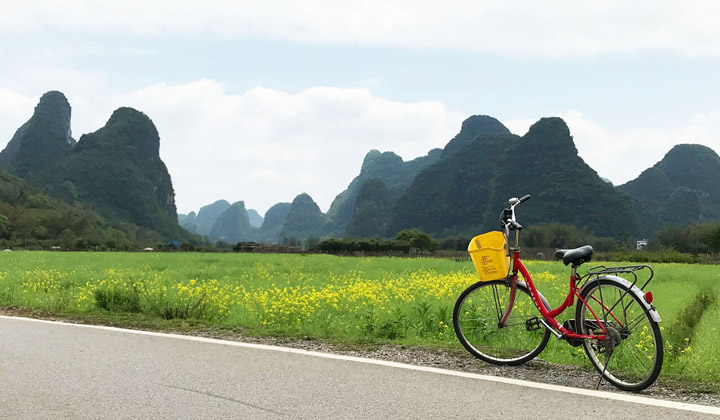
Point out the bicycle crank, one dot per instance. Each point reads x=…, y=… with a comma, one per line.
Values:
x=613, y=338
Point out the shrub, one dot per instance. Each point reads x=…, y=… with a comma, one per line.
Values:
x=661, y=256
x=118, y=300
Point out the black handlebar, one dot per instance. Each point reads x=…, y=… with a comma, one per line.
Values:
x=508, y=214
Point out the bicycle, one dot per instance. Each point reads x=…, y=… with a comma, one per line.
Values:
x=615, y=320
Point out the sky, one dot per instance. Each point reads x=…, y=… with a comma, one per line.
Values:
x=263, y=100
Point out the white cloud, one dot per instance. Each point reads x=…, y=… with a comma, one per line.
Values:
x=558, y=28
x=15, y=110
x=264, y=146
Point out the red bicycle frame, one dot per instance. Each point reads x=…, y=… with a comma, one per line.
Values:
x=549, y=315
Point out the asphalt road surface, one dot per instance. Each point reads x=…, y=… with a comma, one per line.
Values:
x=62, y=371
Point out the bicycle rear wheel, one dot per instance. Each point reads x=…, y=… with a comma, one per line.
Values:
x=632, y=355
x=476, y=318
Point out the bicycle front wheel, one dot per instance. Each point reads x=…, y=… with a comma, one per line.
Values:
x=632, y=354
x=476, y=319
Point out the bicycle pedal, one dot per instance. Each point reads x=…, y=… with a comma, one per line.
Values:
x=533, y=324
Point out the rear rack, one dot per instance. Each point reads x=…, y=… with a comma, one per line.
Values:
x=626, y=269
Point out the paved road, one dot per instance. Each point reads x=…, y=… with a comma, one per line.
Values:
x=60, y=371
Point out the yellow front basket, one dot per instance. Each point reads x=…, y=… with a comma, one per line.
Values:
x=489, y=253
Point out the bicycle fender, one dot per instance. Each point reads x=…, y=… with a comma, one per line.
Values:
x=635, y=291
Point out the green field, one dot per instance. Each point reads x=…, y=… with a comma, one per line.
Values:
x=339, y=299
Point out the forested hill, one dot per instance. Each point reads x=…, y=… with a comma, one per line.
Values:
x=369, y=217
x=470, y=129
x=451, y=196
x=684, y=187
x=43, y=140
x=117, y=172
x=273, y=222
x=233, y=225
x=30, y=219
x=206, y=217
x=564, y=189
x=117, y=169
x=304, y=219
x=386, y=167
x=204, y=220
x=298, y=220
x=465, y=192
x=462, y=189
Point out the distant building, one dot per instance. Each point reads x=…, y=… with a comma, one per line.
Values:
x=641, y=245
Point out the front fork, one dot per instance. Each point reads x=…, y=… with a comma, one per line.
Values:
x=511, y=301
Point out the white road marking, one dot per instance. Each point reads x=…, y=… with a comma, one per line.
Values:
x=579, y=391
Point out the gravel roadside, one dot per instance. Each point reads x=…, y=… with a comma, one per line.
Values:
x=459, y=360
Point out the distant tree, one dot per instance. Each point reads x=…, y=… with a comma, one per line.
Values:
x=40, y=201
x=536, y=237
x=4, y=226
x=332, y=245
x=312, y=243
x=713, y=238
x=25, y=223
x=694, y=239
x=222, y=245
x=555, y=235
x=456, y=243
x=672, y=236
x=245, y=246
x=119, y=239
x=67, y=239
x=80, y=244
x=604, y=244
x=291, y=241
x=187, y=247
x=417, y=239
x=70, y=191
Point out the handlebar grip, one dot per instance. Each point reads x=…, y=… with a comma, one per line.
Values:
x=516, y=225
x=526, y=197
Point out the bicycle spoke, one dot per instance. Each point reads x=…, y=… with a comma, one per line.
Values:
x=603, y=307
x=476, y=318
x=635, y=322
x=633, y=357
x=625, y=345
x=498, y=306
x=515, y=325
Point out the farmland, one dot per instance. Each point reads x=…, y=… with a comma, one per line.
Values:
x=338, y=299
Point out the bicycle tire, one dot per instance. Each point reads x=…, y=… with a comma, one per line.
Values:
x=636, y=359
x=476, y=318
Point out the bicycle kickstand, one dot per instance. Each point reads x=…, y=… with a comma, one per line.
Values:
x=602, y=374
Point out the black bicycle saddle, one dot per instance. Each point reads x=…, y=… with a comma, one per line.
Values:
x=575, y=256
